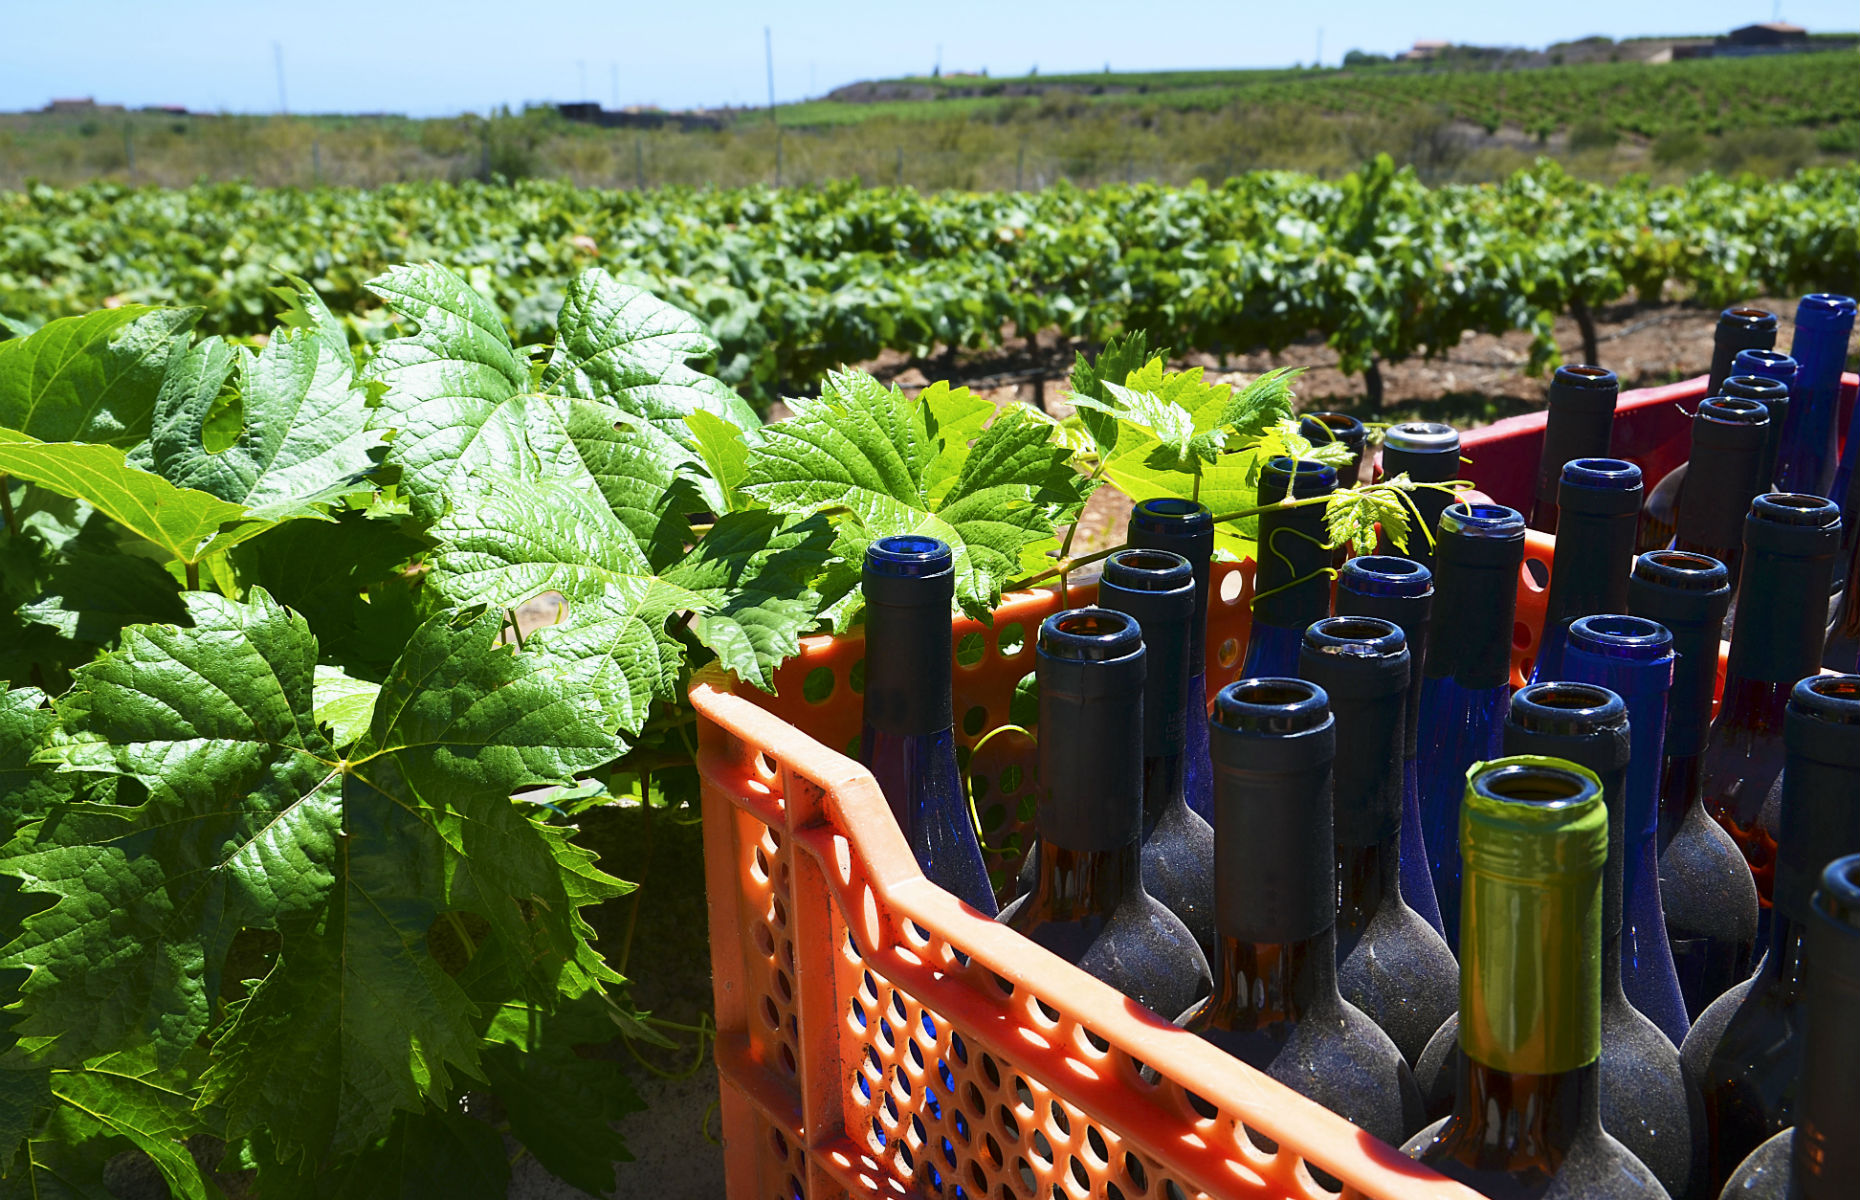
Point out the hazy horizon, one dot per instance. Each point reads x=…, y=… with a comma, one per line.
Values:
x=423, y=59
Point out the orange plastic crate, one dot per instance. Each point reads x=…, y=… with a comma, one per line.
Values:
x=876, y=1037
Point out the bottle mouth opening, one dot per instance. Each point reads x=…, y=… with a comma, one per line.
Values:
x=1482, y=520
x=1538, y=785
x=1147, y=570
x=908, y=555
x=1757, y=316
x=1755, y=387
x=1825, y=302
x=1566, y=709
x=1701, y=570
x=1839, y=893
x=1734, y=410
x=1385, y=575
x=1589, y=372
x=1831, y=698
x=1795, y=508
x=1770, y=357
x=1620, y=635
x=1612, y=474
x=1271, y=705
x=1171, y=514
x=1423, y=437
x=1090, y=635
x=1340, y=427
x=1355, y=637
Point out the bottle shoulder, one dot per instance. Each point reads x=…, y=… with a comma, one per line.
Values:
x=1401, y=974
x=1706, y=889
x=1765, y=1172
x=1706, y=1032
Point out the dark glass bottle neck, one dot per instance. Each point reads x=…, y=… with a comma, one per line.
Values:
x=1076, y=884
x=1164, y=784
x=907, y=665
x=1519, y=1123
x=1680, y=780
x=1260, y=984
x=1368, y=880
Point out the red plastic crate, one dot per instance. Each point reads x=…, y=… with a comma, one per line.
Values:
x=876, y=1037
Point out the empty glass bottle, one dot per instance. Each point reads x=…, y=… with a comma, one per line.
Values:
x=1291, y=587
x=908, y=741
x=1776, y=639
x=1807, y=460
x=1187, y=528
x=1749, y=1062
x=1088, y=904
x=1706, y=891
x=1158, y=589
x=1390, y=963
x=1773, y=395
x=1275, y=1004
x=1526, y=1118
x=1427, y=452
x=1579, y=424
x=1467, y=677
x=1321, y=427
x=1599, y=499
x=1401, y=591
x=1727, y=442
x=1819, y=1157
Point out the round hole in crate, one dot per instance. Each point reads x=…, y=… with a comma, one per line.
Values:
x=868, y=988
x=817, y=688
x=904, y=1156
x=855, y=746
x=978, y=787
x=1028, y=1181
x=865, y=1087
x=1323, y=1181
x=795, y=1190
x=787, y=1059
x=1521, y=635
x=785, y=986
x=886, y=1038
x=890, y=1106
x=770, y=1016
x=858, y=1013
x=1061, y=1122
x=1009, y=1125
x=949, y=1079
x=765, y=766
x=1011, y=639
x=1113, y=1192
x=778, y=913
x=765, y=941
x=1090, y=1043
x=1006, y=988
x=1525, y=666
x=1042, y=1149
x=760, y=866
x=1173, y=1190
x=991, y=1151
x=917, y=1054
x=918, y=1137
x=901, y=1082
x=1536, y=575
x=1049, y=1014
x=979, y=1176
x=1229, y=653
x=959, y=1048
x=949, y=1152
x=970, y=650
x=897, y=998
x=855, y=678
x=1261, y=1142
x=1094, y=1144
x=1079, y=1174
x=1133, y=1171
x=1231, y=587
x=1024, y=1094
x=1202, y=1108
x=787, y=948
x=779, y=1142
x=878, y=1135
x=974, y=720
x=972, y=1095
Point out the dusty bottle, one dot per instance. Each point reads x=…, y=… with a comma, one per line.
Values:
x=1291, y=588
x=1275, y=1004
x=1401, y=591
x=1467, y=677
x=1088, y=904
x=1187, y=528
x=1633, y=657
x=1706, y=892
x=1818, y=1158
x=1739, y=328
x=1727, y=443
x=1776, y=639
x=1157, y=588
x=1807, y=461
x=908, y=741
x=1427, y=452
x=1579, y=424
x=1321, y=427
x=1746, y=1050
x=1599, y=499
x=1390, y=962
x=1527, y=1110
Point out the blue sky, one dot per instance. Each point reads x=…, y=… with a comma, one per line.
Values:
x=423, y=57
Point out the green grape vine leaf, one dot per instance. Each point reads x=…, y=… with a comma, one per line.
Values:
x=92, y=378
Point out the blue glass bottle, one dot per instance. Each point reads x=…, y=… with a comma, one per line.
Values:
x=1807, y=461
x=1633, y=658
x=1427, y=452
x=1579, y=423
x=1401, y=591
x=1599, y=499
x=1186, y=528
x=1291, y=586
x=1467, y=678
x=1158, y=589
x=909, y=739
x=1088, y=904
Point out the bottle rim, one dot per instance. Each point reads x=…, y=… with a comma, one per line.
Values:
x=1270, y=704
x=1620, y=635
x=1422, y=437
x=1140, y=569
x=1838, y=896
x=1795, y=508
x=1173, y=515
x=1602, y=474
x=1585, y=375
x=1385, y=575
x=1482, y=521
x=1341, y=426
x=1825, y=309
x=1748, y=317
x=1755, y=387
x=1355, y=637
x=908, y=556
x=1090, y=635
x=1298, y=477
x=1565, y=708
x=1834, y=699
x=1733, y=410
x=1687, y=570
